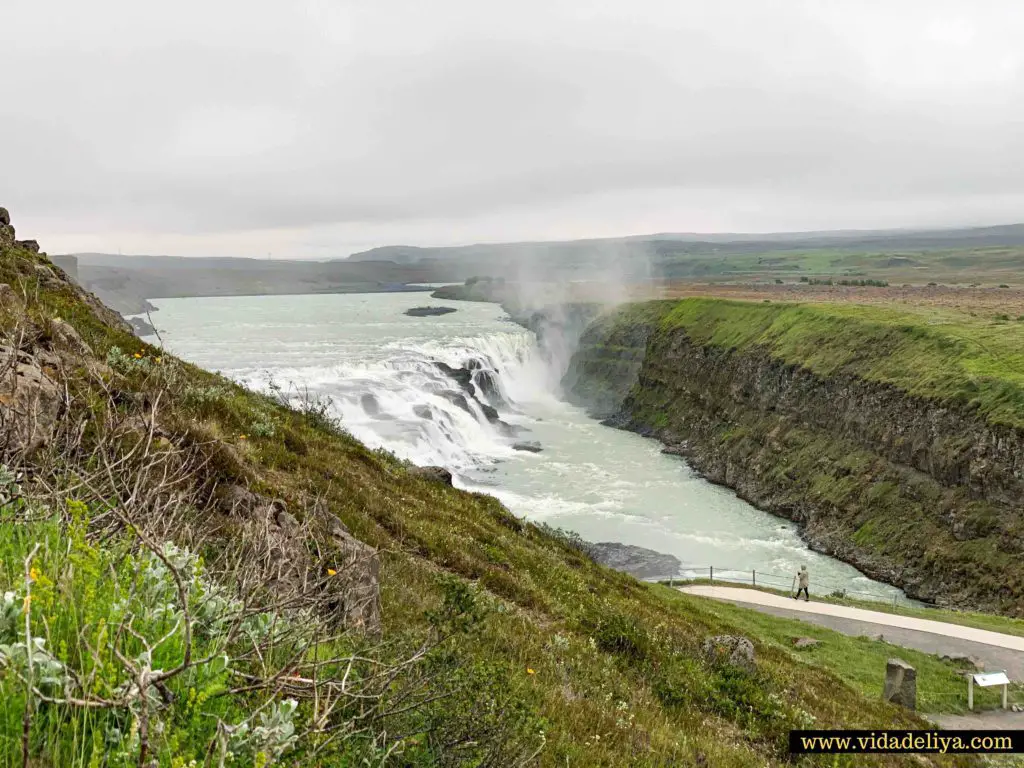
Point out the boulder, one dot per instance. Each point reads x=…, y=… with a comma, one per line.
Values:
x=369, y=404
x=335, y=527
x=423, y=411
x=5, y=216
x=30, y=400
x=28, y=245
x=434, y=474
x=805, y=642
x=68, y=337
x=237, y=499
x=731, y=650
x=530, y=446
x=900, y=684
x=6, y=235
x=964, y=661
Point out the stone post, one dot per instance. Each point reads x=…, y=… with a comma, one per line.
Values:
x=900, y=684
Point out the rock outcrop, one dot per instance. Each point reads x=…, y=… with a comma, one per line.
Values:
x=730, y=650
x=900, y=684
x=30, y=399
x=433, y=474
x=638, y=561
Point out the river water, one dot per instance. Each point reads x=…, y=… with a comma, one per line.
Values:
x=379, y=368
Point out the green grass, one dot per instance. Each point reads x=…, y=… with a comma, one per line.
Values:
x=860, y=661
x=934, y=354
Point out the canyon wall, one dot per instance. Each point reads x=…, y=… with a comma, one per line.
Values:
x=923, y=492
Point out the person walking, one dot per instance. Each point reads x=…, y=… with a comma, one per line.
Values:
x=803, y=581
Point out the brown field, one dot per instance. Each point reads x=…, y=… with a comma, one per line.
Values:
x=979, y=301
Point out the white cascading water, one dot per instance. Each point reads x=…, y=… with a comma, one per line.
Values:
x=406, y=403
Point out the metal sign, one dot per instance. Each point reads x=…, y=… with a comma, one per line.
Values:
x=992, y=678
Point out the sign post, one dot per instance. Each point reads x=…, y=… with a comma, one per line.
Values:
x=986, y=680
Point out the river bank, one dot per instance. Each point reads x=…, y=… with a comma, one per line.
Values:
x=892, y=439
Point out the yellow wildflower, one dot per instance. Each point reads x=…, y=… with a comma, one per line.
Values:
x=33, y=574
x=241, y=437
x=331, y=572
x=159, y=359
x=138, y=356
x=530, y=671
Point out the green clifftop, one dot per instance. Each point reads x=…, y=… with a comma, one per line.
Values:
x=324, y=604
x=894, y=438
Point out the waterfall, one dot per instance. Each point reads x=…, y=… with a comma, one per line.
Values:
x=453, y=402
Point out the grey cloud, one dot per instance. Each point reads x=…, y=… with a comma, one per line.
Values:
x=390, y=120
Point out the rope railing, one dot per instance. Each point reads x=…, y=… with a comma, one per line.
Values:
x=773, y=580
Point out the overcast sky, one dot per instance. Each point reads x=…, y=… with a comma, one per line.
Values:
x=319, y=128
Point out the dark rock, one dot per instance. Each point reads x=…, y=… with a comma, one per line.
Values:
x=370, y=405
x=805, y=642
x=732, y=650
x=28, y=245
x=434, y=474
x=5, y=216
x=509, y=430
x=531, y=446
x=141, y=327
x=964, y=661
x=463, y=376
x=424, y=412
x=460, y=401
x=900, y=684
x=490, y=413
x=639, y=561
x=429, y=311
x=486, y=382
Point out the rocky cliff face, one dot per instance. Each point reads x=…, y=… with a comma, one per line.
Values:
x=917, y=493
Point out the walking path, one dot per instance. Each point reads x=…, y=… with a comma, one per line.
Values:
x=996, y=650
x=769, y=599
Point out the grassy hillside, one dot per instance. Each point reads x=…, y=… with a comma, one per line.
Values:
x=946, y=356
x=500, y=643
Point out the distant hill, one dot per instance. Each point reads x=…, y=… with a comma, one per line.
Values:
x=720, y=243
x=994, y=254
x=126, y=282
